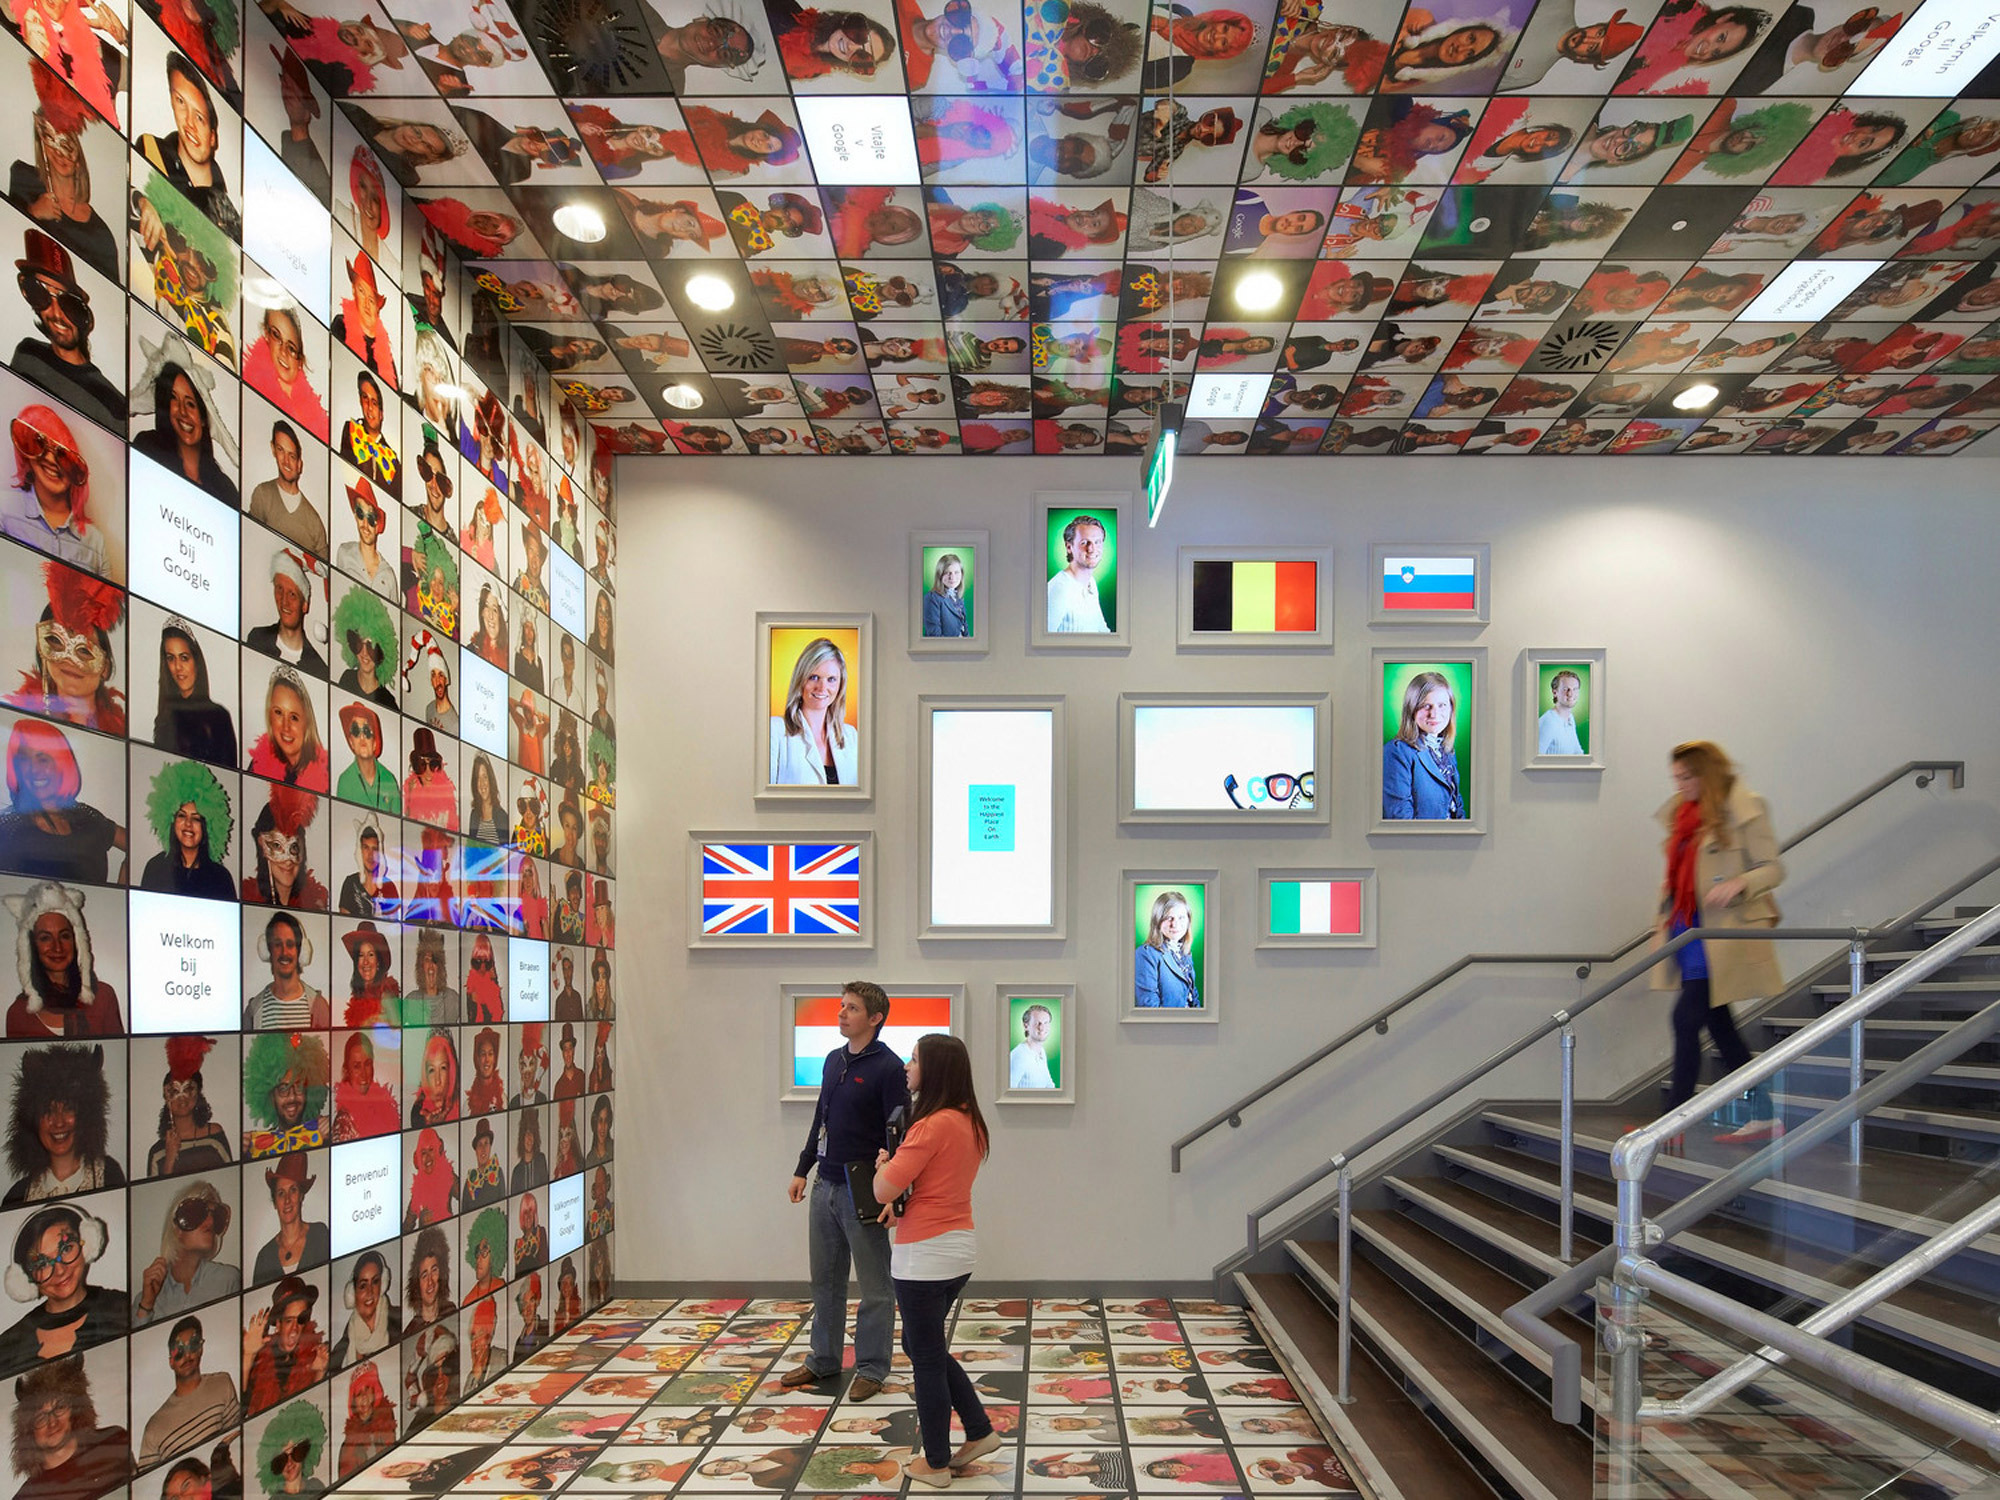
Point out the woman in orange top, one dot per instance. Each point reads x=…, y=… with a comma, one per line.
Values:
x=934, y=1249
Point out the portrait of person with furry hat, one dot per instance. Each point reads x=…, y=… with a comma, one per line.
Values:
x=62, y=1450
x=60, y=994
x=58, y=1134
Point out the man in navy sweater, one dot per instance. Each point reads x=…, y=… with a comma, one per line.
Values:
x=861, y=1085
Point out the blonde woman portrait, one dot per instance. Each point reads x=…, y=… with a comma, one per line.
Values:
x=811, y=742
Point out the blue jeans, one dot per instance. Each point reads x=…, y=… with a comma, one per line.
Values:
x=941, y=1382
x=839, y=1237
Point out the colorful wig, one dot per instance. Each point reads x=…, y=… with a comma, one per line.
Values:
x=185, y=781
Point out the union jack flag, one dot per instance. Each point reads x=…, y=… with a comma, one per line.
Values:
x=781, y=890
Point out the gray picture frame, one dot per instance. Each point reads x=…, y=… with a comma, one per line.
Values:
x=980, y=639
x=1481, y=718
x=790, y=1092
x=1250, y=642
x=1478, y=616
x=699, y=839
x=1213, y=906
x=928, y=706
x=1533, y=659
x=1072, y=1036
x=863, y=789
x=1364, y=875
x=1320, y=815
x=1119, y=504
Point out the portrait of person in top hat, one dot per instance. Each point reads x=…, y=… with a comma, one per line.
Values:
x=485, y=1174
x=569, y=1081
x=59, y=361
x=429, y=793
x=297, y=1244
x=284, y=1351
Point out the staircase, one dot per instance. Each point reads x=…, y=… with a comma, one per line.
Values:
x=1449, y=1402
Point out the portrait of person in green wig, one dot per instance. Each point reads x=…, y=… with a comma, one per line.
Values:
x=189, y=813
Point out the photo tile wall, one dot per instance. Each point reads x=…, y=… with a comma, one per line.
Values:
x=306, y=600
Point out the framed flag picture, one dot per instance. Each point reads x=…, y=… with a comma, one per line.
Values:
x=809, y=1027
x=1563, y=728
x=993, y=816
x=1038, y=1043
x=1256, y=599
x=1431, y=584
x=1319, y=908
x=1428, y=741
x=766, y=890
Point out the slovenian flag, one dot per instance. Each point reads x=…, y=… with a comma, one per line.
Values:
x=1255, y=597
x=1327, y=908
x=816, y=1029
x=1428, y=583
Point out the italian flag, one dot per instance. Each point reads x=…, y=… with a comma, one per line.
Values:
x=1330, y=908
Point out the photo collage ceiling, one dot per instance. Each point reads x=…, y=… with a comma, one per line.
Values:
x=979, y=226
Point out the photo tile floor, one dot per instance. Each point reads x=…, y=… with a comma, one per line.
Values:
x=1114, y=1397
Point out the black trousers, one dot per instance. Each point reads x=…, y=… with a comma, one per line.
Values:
x=1692, y=1012
x=942, y=1385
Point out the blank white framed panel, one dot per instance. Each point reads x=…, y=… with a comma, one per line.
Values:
x=1254, y=599
x=781, y=890
x=1558, y=735
x=790, y=648
x=807, y=1032
x=1196, y=758
x=993, y=817
x=1037, y=1056
x=1317, y=907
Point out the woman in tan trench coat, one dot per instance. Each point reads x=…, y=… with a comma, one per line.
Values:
x=1722, y=866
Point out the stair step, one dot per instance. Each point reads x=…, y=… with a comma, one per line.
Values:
x=1892, y=1190
x=1393, y=1448
x=1528, y=1238
x=1891, y=958
x=1914, y=1026
x=1988, y=987
x=1479, y=1292
x=1926, y=1313
x=1971, y=1075
x=1500, y=1419
x=1954, y=1122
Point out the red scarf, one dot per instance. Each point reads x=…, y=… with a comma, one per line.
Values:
x=1681, y=846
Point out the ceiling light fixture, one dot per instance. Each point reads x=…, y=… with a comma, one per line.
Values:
x=1695, y=397
x=1260, y=291
x=710, y=292
x=580, y=222
x=681, y=395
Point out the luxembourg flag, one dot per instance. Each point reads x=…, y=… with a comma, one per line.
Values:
x=1428, y=583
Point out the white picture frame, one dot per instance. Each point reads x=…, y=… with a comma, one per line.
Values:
x=1244, y=793
x=799, y=630
x=1476, y=784
x=1054, y=800
x=1068, y=1033
x=1189, y=610
x=821, y=869
x=1050, y=506
x=1591, y=702
x=1362, y=877
x=1382, y=554
x=979, y=636
x=1143, y=885
x=792, y=1089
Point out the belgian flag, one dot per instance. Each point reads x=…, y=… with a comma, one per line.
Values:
x=1255, y=597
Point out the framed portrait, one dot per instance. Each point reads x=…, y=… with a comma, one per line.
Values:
x=764, y=890
x=948, y=614
x=1256, y=599
x=1563, y=727
x=1224, y=758
x=1171, y=946
x=1436, y=583
x=45, y=517
x=1038, y=1043
x=993, y=810
x=1316, y=908
x=813, y=729
x=1076, y=582
x=1428, y=741
x=808, y=1027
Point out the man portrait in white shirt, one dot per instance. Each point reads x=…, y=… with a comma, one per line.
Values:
x=1074, y=605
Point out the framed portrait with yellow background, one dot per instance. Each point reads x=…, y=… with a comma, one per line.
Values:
x=813, y=738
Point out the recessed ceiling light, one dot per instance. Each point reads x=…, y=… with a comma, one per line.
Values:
x=1695, y=397
x=580, y=222
x=1260, y=291
x=684, y=396
x=711, y=292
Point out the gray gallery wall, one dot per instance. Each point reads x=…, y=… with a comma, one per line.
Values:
x=1820, y=629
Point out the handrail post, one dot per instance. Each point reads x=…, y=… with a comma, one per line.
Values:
x=1857, y=970
x=1567, y=1040
x=1625, y=1338
x=1344, y=1185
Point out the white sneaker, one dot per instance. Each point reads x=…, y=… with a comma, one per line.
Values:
x=1750, y=1134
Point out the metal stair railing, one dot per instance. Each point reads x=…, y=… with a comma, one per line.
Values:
x=1635, y=1273
x=1529, y=1317
x=1926, y=771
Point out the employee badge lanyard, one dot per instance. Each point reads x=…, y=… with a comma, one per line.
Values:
x=846, y=1059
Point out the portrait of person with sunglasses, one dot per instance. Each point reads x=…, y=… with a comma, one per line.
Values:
x=188, y=1272
x=362, y=557
x=201, y=1405
x=1079, y=44
x=74, y=674
x=728, y=38
x=49, y=506
x=959, y=50
x=59, y=361
x=54, y=1250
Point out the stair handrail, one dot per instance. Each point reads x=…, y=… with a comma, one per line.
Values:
x=1926, y=772
x=1635, y=1272
x=1530, y=1316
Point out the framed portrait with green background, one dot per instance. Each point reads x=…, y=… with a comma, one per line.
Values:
x=948, y=600
x=1563, y=726
x=1174, y=931
x=1077, y=599
x=1429, y=740
x=1039, y=1034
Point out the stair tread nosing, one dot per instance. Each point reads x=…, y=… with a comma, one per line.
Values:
x=1385, y=1433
